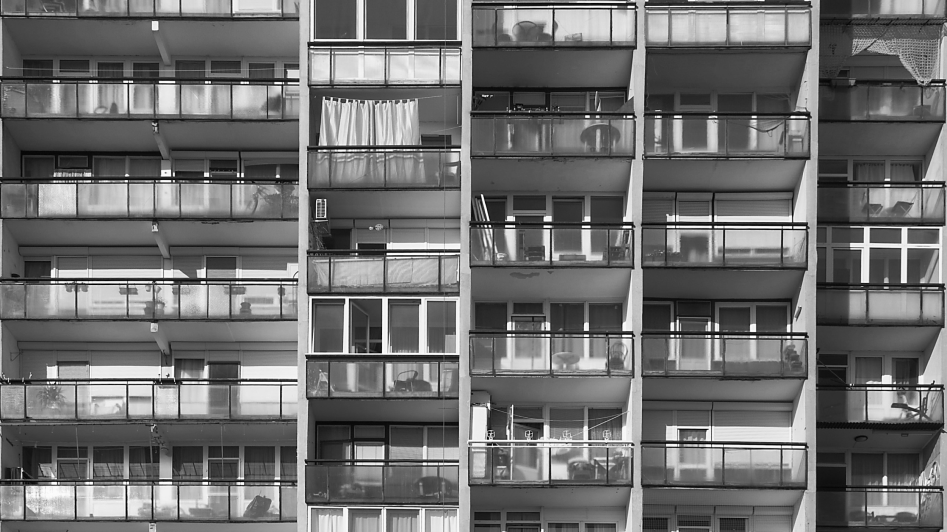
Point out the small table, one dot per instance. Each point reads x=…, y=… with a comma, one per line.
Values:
x=599, y=138
x=566, y=359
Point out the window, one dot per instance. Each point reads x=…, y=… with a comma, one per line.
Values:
x=108, y=462
x=146, y=70
x=393, y=442
x=39, y=68
x=287, y=460
x=187, y=463
x=336, y=19
x=72, y=67
x=871, y=170
x=222, y=462
x=72, y=463
x=110, y=70
x=37, y=269
x=144, y=462
x=383, y=520
x=878, y=255
x=38, y=462
x=221, y=267
x=386, y=19
x=436, y=20
x=259, y=463
x=328, y=317
x=225, y=68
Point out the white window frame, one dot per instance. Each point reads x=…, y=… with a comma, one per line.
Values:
x=422, y=514
x=586, y=428
x=849, y=176
x=828, y=248
x=361, y=28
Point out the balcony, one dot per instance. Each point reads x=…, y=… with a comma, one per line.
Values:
x=384, y=168
x=381, y=482
x=542, y=134
x=903, y=405
x=137, y=99
x=888, y=507
x=236, y=9
x=729, y=26
x=391, y=63
x=554, y=26
x=692, y=135
x=881, y=101
x=118, y=400
x=883, y=9
x=725, y=245
x=146, y=500
x=725, y=355
x=894, y=304
x=160, y=299
x=557, y=245
x=524, y=353
x=399, y=377
x=550, y=463
x=395, y=272
x=920, y=203
x=724, y=465
x=151, y=199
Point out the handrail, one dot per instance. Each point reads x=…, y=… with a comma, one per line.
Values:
x=790, y=114
x=156, y=481
x=740, y=334
x=869, y=286
x=514, y=332
x=740, y=225
x=551, y=114
x=727, y=444
x=157, y=380
x=352, y=461
x=382, y=43
x=553, y=225
x=170, y=80
x=850, y=82
x=385, y=147
x=548, y=442
x=881, y=184
x=880, y=386
x=881, y=487
x=144, y=280
x=148, y=9
x=374, y=253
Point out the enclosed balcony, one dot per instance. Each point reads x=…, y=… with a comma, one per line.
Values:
x=394, y=272
x=561, y=25
x=407, y=63
x=149, y=199
x=737, y=355
x=121, y=401
x=671, y=135
x=917, y=203
x=146, y=500
x=883, y=9
x=389, y=377
x=906, y=406
x=724, y=465
x=738, y=26
x=888, y=507
x=525, y=353
x=224, y=9
x=143, y=299
x=381, y=482
x=550, y=463
x=384, y=168
x=725, y=245
x=544, y=134
x=892, y=304
x=850, y=100
x=557, y=245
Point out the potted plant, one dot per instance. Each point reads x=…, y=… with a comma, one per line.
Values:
x=49, y=399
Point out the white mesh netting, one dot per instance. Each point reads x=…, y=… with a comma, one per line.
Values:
x=917, y=46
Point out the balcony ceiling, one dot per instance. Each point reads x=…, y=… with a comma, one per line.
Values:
x=721, y=497
x=721, y=283
x=538, y=389
x=552, y=68
x=737, y=71
x=874, y=138
x=723, y=175
x=408, y=411
x=711, y=389
x=493, y=497
x=549, y=174
x=892, y=440
x=139, y=331
x=501, y=284
x=898, y=339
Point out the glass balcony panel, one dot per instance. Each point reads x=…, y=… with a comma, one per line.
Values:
x=548, y=463
x=700, y=464
x=383, y=273
x=723, y=354
x=141, y=401
x=51, y=401
x=359, y=66
x=48, y=502
x=883, y=8
x=882, y=101
x=410, y=274
x=524, y=27
x=205, y=101
x=257, y=201
x=140, y=502
x=573, y=27
x=698, y=27
x=561, y=134
x=904, y=404
x=57, y=200
x=881, y=507
x=205, y=7
x=414, y=66
x=317, y=379
x=738, y=136
x=755, y=27
x=412, y=379
x=251, y=102
x=100, y=502
x=166, y=504
x=102, y=200
x=12, y=502
x=356, y=379
x=724, y=246
x=102, y=100
x=256, y=301
x=206, y=503
x=288, y=498
x=242, y=498
x=51, y=100
x=881, y=204
x=256, y=401
x=798, y=23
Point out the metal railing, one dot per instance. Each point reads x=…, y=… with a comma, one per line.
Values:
x=138, y=99
x=215, y=9
x=550, y=462
x=762, y=135
x=879, y=304
x=122, y=400
x=560, y=25
x=385, y=63
x=883, y=9
x=556, y=244
x=920, y=203
x=145, y=299
x=724, y=354
x=157, y=198
x=689, y=26
x=514, y=353
x=725, y=245
x=384, y=167
x=888, y=507
x=383, y=272
x=881, y=101
x=382, y=481
x=391, y=377
x=736, y=464
x=147, y=500
x=547, y=134
x=890, y=404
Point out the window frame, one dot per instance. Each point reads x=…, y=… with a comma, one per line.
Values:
x=361, y=24
x=826, y=249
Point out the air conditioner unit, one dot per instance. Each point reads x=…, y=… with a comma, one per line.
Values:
x=320, y=212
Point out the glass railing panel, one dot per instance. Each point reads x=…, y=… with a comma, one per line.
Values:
x=396, y=65
x=384, y=168
x=567, y=245
x=883, y=203
x=146, y=8
x=288, y=499
x=883, y=8
x=881, y=507
x=243, y=507
x=861, y=100
x=377, y=379
x=143, y=500
x=689, y=135
x=51, y=401
x=50, y=502
x=550, y=463
x=12, y=502
x=498, y=353
x=721, y=464
x=382, y=482
x=102, y=100
x=165, y=504
x=203, y=502
x=543, y=134
x=724, y=354
x=555, y=26
x=880, y=305
x=100, y=502
x=722, y=246
x=383, y=273
x=894, y=404
x=728, y=26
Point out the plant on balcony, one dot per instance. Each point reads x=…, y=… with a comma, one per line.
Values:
x=49, y=398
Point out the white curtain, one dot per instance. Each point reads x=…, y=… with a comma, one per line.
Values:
x=441, y=521
x=326, y=520
x=369, y=123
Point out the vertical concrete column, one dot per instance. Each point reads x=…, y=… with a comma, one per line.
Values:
x=303, y=430
x=464, y=514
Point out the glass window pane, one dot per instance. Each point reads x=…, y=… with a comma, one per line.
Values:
x=108, y=462
x=436, y=19
x=364, y=520
x=847, y=266
x=335, y=19
x=259, y=463
x=923, y=265
x=327, y=326
x=885, y=236
x=386, y=19
x=404, y=326
x=605, y=317
x=441, y=327
x=884, y=266
x=848, y=235
x=403, y=520
x=287, y=460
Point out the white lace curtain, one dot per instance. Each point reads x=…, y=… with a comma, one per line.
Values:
x=918, y=47
x=369, y=123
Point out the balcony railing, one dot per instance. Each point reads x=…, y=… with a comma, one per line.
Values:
x=384, y=167
x=725, y=245
x=382, y=482
x=395, y=377
x=515, y=353
x=542, y=245
x=242, y=9
x=352, y=272
x=723, y=464
x=541, y=134
x=726, y=135
x=385, y=63
x=143, y=299
x=866, y=304
x=137, y=99
x=149, y=199
x=724, y=354
x=550, y=463
x=691, y=26
x=889, y=404
x=919, y=203
x=881, y=101
x=888, y=507
x=553, y=26
x=147, y=500
x=120, y=400
x=883, y=9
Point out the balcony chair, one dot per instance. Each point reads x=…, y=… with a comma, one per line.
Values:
x=581, y=470
x=910, y=413
x=411, y=384
x=258, y=507
x=433, y=487
x=617, y=353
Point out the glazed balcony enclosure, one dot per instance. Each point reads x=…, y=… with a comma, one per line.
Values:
x=904, y=405
x=385, y=63
x=146, y=500
x=725, y=245
x=884, y=9
x=392, y=272
x=556, y=25
x=887, y=507
x=149, y=199
x=153, y=8
x=892, y=304
x=689, y=26
x=398, y=376
x=549, y=463
x=552, y=244
x=724, y=464
x=544, y=134
x=384, y=168
x=918, y=203
x=724, y=354
x=142, y=99
x=758, y=135
x=516, y=353
x=382, y=482
x=143, y=299
x=123, y=400
x=861, y=100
